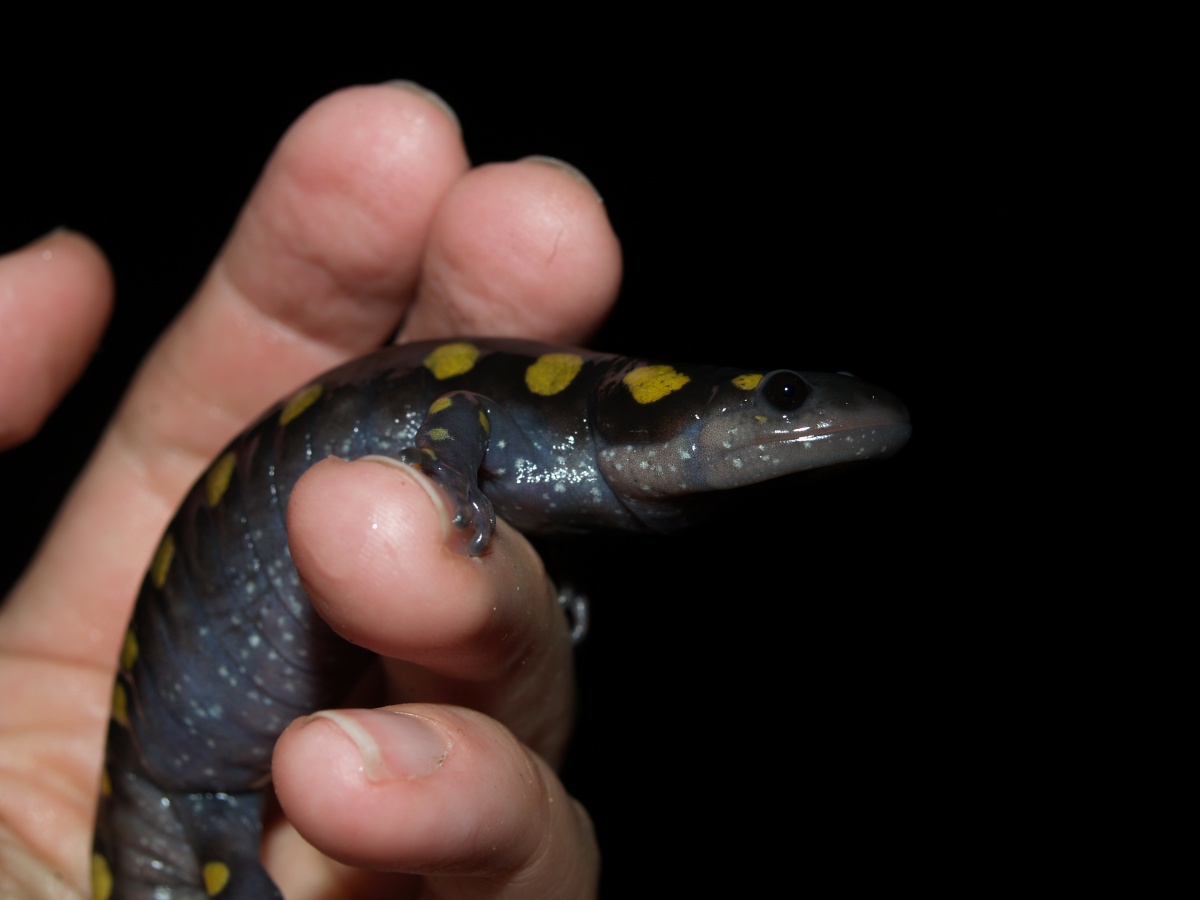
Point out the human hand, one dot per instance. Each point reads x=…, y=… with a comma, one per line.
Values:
x=367, y=218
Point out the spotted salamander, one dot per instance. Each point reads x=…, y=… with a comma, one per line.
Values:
x=224, y=649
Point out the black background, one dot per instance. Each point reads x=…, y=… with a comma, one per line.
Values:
x=786, y=692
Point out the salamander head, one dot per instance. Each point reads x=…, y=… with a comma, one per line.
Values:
x=798, y=421
x=715, y=430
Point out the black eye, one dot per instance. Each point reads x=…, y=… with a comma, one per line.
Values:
x=786, y=391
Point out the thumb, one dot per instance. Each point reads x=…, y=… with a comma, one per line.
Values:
x=439, y=791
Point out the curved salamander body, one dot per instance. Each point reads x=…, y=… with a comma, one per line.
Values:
x=224, y=649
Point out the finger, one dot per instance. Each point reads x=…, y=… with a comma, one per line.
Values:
x=440, y=791
x=520, y=249
x=371, y=541
x=333, y=235
x=320, y=267
x=55, y=299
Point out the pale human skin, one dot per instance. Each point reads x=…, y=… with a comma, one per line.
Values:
x=368, y=217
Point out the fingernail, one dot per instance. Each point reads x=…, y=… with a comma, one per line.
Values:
x=556, y=163
x=53, y=232
x=413, y=88
x=392, y=744
x=425, y=484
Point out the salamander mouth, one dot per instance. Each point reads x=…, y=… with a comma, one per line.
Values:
x=869, y=441
x=784, y=453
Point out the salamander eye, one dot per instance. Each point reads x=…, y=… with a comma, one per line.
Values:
x=785, y=390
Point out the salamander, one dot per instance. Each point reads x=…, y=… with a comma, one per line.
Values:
x=224, y=649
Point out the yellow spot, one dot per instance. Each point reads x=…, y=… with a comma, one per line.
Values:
x=484, y=423
x=162, y=560
x=439, y=434
x=120, y=705
x=552, y=373
x=747, y=382
x=216, y=876
x=651, y=383
x=102, y=880
x=439, y=404
x=105, y=783
x=218, y=478
x=129, y=651
x=449, y=360
x=300, y=401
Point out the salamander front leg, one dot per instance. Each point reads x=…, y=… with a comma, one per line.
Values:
x=450, y=448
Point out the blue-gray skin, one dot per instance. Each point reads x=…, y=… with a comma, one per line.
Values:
x=224, y=649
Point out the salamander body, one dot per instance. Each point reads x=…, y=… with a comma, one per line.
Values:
x=224, y=649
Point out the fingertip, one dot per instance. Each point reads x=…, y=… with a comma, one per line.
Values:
x=343, y=210
x=434, y=790
x=367, y=787
x=371, y=540
x=358, y=529
x=56, y=297
x=521, y=249
x=397, y=124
